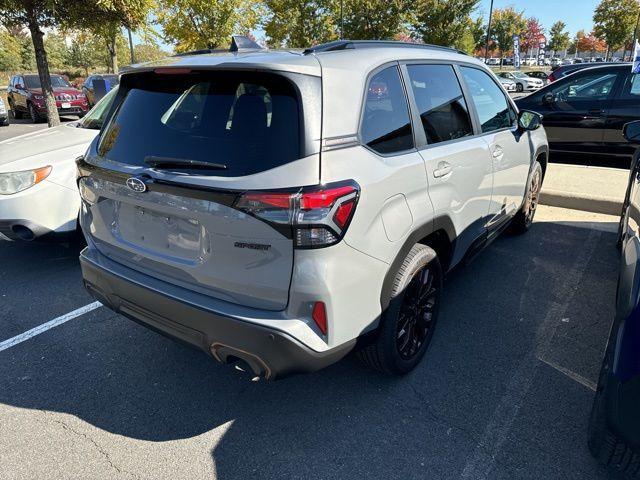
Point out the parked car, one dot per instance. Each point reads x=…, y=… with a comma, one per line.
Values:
x=530, y=61
x=507, y=61
x=508, y=84
x=88, y=88
x=523, y=81
x=26, y=98
x=556, y=62
x=614, y=427
x=584, y=112
x=578, y=60
x=493, y=61
x=539, y=75
x=38, y=194
x=4, y=115
x=565, y=70
x=271, y=210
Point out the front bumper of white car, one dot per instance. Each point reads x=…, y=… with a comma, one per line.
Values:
x=45, y=211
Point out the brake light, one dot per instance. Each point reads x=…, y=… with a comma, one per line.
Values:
x=551, y=77
x=318, y=216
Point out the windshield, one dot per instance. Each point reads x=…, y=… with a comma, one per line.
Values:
x=95, y=117
x=33, y=81
x=247, y=121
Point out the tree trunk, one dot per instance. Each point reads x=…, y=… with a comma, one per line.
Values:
x=43, y=69
x=113, y=54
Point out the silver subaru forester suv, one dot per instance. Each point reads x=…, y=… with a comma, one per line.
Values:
x=279, y=209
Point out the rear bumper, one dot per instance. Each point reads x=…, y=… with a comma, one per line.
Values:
x=270, y=353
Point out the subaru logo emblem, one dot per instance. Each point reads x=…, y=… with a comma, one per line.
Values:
x=136, y=185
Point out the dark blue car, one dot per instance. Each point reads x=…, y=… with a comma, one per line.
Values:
x=614, y=429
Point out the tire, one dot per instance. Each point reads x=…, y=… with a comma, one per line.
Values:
x=523, y=220
x=404, y=335
x=603, y=444
x=15, y=113
x=33, y=113
x=519, y=88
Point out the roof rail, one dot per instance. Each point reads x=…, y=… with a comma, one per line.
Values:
x=239, y=44
x=357, y=44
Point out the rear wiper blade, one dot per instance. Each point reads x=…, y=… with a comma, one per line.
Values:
x=168, y=162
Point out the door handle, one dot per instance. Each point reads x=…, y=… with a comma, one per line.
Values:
x=444, y=168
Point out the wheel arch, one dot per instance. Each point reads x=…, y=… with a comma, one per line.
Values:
x=438, y=235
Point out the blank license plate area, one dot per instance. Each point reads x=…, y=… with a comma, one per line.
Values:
x=160, y=234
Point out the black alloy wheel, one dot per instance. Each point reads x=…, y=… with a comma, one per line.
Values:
x=415, y=322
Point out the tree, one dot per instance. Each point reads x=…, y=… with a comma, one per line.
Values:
x=442, y=22
x=478, y=30
x=11, y=52
x=198, y=24
x=82, y=53
x=37, y=15
x=507, y=22
x=532, y=34
x=558, y=37
x=300, y=23
x=57, y=51
x=614, y=21
x=148, y=52
x=371, y=19
x=590, y=43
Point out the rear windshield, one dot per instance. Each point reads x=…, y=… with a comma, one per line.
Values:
x=33, y=81
x=247, y=121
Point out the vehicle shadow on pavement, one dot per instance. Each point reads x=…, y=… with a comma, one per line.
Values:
x=504, y=391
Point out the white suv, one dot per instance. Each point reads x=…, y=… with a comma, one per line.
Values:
x=281, y=209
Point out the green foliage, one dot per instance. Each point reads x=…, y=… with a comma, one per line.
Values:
x=11, y=52
x=57, y=51
x=558, y=37
x=442, y=22
x=478, y=32
x=371, y=19
x=196, y=24
x=148, y=52
x=301, y=23
x=82, y=53
x=615, y=20
x=506, y=23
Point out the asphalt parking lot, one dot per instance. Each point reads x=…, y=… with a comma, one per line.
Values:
x=504, y=392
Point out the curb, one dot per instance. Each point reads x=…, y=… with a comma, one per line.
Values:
x=587, y=203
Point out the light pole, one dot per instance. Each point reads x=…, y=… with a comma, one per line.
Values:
x=486, y=45
x=341, y=20
x=133, y=58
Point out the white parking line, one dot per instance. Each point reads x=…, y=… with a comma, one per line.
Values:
x=48, y=326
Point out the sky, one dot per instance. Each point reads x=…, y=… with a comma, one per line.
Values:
x=577, y=14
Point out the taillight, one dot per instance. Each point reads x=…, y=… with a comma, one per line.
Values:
x=318, y=216
x=551, y=78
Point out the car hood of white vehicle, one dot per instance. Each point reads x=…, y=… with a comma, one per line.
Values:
x=51, y=146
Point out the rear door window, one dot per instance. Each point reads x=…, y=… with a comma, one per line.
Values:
x=586, y=86
x=247, y=121
x=441, y=104
x=386, y=124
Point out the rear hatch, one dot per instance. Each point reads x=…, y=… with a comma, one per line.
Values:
x=163, y=183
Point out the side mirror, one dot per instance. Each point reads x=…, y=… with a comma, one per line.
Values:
x=19, y=86
x=528, y=120
x=548, y=98
x=631, y=131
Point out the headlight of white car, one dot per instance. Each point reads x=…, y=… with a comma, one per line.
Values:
x=15, y=182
